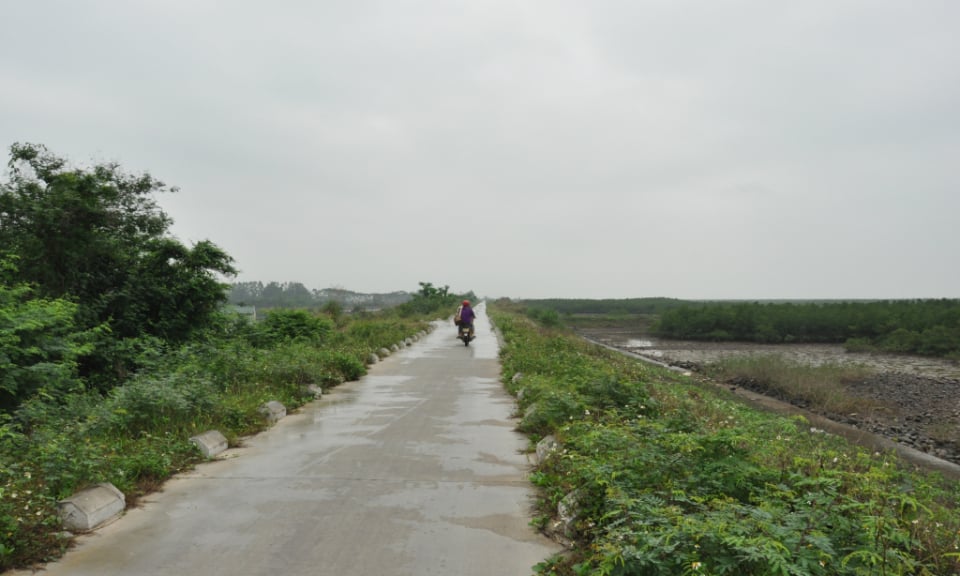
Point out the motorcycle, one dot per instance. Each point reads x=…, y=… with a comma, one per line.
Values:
x=465, y=334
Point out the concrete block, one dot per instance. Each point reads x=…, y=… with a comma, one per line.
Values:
x=545, y=447
x=531, y=410
x=91, y=508
x=372, y=359
x=273, y=410
x=383, y=352
x=568, y=511
x=210, y=443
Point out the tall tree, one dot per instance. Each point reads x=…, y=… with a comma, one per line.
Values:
x=97, y=237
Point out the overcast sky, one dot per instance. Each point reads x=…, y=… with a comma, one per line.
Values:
x=521, y=148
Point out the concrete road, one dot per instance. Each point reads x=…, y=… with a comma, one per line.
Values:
x=413, y=470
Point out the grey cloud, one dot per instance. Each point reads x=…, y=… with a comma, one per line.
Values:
x=743, y=149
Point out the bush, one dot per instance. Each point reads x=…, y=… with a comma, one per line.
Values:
x=545, y=316
x=347, y=366
x=150, y=405
x=901, y=341
x=374, y=334
x=292, y=325
x=39, y=345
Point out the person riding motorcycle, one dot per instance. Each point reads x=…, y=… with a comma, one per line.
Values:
x=465, y=317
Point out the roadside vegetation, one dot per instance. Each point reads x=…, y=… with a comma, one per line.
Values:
x=116, y=347
x=136, y=435
x=924, y=327
x=661, y=475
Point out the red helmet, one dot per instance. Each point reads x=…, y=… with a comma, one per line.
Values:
x=466, y=302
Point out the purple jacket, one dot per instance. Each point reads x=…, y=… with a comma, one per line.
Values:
x=467, y=315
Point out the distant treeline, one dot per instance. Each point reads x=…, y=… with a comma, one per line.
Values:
x=927, y=327
x=610, y=307
x=296, y=295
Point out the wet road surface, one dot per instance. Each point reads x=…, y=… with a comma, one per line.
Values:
x=413, y=470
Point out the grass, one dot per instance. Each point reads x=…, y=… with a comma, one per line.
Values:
x=823, y=387
x=666, y=476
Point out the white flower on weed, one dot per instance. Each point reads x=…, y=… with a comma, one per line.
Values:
x=695, y=565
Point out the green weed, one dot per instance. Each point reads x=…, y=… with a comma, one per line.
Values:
x=137, y=435
x=669, y=477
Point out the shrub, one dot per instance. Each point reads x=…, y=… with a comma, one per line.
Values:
x=380, y=333
x=900, y=340
x=292, y=325
x=545, y=317
x=155, y=404
x=349, y=367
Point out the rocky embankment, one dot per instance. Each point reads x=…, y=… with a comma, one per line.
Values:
x=925, y=412
x=914, y=401
x=920, y=412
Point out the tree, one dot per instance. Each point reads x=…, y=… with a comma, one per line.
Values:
x=172, y=290
x=98, y=238
x=75, y=231
x=430, y=299
x=246, y=293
